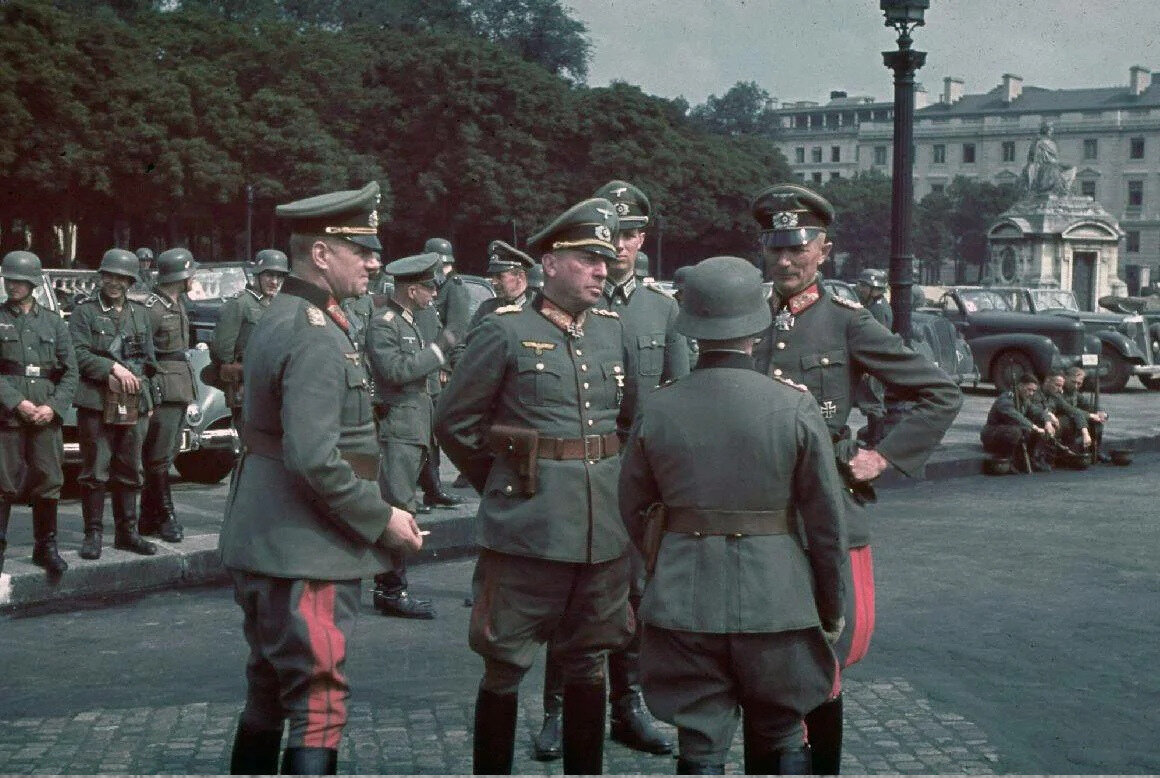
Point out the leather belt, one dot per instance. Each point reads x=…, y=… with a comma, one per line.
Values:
x=590, y=447
x=709, y=521
x=171, y=356
x=50, y=372
x=365, y=466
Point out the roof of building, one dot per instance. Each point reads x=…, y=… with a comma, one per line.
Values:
x=1035, y=99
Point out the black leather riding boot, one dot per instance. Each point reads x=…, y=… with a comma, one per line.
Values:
x=310, y=761
x=583, y=729
x=150, y=515
x=631, y=724
x=255, y=751
x=494, y=741
x=170, y=530
x=125, y=524
x=546, y=744
x=44, y=553
x=824, y=731
x=93, y=511
x=5, y=513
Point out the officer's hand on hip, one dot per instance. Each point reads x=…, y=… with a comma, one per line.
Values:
x=867, y=464
x=402, y=532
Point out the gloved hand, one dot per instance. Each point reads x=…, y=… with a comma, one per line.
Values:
x=835, y=631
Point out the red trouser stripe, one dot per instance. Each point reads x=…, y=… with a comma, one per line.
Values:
x=326, y=700
x=862, y=570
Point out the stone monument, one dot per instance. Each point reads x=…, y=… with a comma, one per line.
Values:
x=1051, y=237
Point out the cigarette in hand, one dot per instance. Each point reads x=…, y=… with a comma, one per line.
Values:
x=424, y=532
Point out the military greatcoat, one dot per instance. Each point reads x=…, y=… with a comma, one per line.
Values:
x=298, y=510
x=37, y=363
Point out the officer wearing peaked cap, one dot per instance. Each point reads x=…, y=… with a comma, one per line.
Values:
x=870, y=398
x=38, y=376
x=828, y=344
x=306, y=521
x=756, y=635
x=553, y=561
x=662, y=354
x=173, y=390
x=402, y=361
x=236, y=321
x=508, y=268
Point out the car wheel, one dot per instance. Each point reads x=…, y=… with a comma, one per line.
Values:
x=1114, y=371
x=204, y=467
x=1007, y=368
x=1151, y=382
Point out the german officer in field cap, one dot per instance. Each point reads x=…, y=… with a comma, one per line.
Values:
x=531, y=417
x=649, y=315
x=402, y=362
x=870, y=399
x=173, y=389
x=755, y=635
x=306, y=520
x=508, y=268
x=828, y=344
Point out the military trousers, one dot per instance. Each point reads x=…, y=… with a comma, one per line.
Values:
x=521, y=602
x=297, y=631
x=858, y=585
x=1004, y=439
x=163, y=437
x=110, y=452
x=31, y=456
x=398, y=484
x=701, y=683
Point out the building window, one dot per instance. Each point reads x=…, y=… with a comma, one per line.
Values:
x=816, y=154
x=968, y=153
x=1136, y=148
x=1135, y=194
x=801, y=176
x=1132, y=242
x=879, y=155
x=1091, y=148
x=938, y=154
x=1088, y=189
x=799, y=155
x=1008, y=151
x=937, y=188
x=817, y=178
x=835, y=175
x=835, y=153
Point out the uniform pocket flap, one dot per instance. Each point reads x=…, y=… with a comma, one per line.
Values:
x=824, y=359
x=538, y=365
x=651, y=340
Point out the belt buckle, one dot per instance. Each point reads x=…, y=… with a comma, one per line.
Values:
x=592, y=447
x=32, y=371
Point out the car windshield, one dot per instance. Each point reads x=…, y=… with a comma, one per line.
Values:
x=41, y=293
x=985, y=300
x=1054, y=299
x=209, y=283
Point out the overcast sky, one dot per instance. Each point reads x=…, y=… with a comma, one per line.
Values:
x=801, y=49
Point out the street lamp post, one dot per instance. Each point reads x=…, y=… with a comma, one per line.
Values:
x=249, y=222
x=903, y=16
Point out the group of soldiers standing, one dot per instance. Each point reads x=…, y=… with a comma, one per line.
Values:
x=690, y=538
x=123, y=365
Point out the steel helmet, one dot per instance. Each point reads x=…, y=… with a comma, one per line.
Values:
x=120, y=263
x=640, y=267
x=144, y=255
x=875, y=279
x=175, y=265
x=723, y=299
x=271, y=261
x=440, y=246
x=21, y=266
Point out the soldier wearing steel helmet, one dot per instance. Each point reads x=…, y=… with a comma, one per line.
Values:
x=828, y=343
x=763, y=545
x=531, y=417
x=113, y=338
x=38, y=376
x=237, y=319
x=173, y=390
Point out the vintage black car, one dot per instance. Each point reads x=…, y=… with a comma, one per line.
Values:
x=1007, y=343
x=1125, y=347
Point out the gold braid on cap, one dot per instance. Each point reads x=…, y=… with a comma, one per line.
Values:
x=574, y=244
x=352, y=231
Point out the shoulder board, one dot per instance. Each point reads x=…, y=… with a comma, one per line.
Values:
x=791, y=384
x=508, y=309
x=315, y=316
x=389, y=316
x=152, y=300
x=603, y=312
x=845, y=303
x=659, y=289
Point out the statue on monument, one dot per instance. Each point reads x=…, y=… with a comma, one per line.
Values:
x=1043, y=174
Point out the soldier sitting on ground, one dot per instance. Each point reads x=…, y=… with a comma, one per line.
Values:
x=1017, y=424
x=1073, y=432
x=1072, y=393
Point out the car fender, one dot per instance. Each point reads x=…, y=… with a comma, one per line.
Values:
x=1120, y=344
x=1040, y=348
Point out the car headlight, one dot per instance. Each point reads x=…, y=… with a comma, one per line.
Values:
x=193, y=414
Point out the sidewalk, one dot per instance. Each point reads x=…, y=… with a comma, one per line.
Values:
x=1134, y=422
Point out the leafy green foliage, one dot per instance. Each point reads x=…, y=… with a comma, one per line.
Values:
x=952, y=224
x=862, y=227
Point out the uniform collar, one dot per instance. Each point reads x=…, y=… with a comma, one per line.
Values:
x=14, y=308
x=296, y=287
x=800, y=301
x=571, y=325
x=394, y=305
x=257, y=295
x=625, y=290
x=107, y=308
x=737, y=359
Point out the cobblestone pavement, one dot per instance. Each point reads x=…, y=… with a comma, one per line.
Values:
x=432, y=736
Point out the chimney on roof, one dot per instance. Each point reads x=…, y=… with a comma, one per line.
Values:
x=1012, y=87
x=837, y=94
x=952, y=90
x=1137, y=79
x=921, y=97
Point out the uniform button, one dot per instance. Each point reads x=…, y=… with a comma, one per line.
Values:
x=539, y=366
x=579, y=353
x=587, y=404
x=777, y=371
x=507, y=489
x=696, y=534
x=825, y=360
x=585, y=384
x=591, y=422
x=781, y=344
x=584, y=368
x=653, y=343
x=737, y=535
x=616, y=368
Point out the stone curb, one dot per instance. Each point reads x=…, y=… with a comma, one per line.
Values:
x=195, y=561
